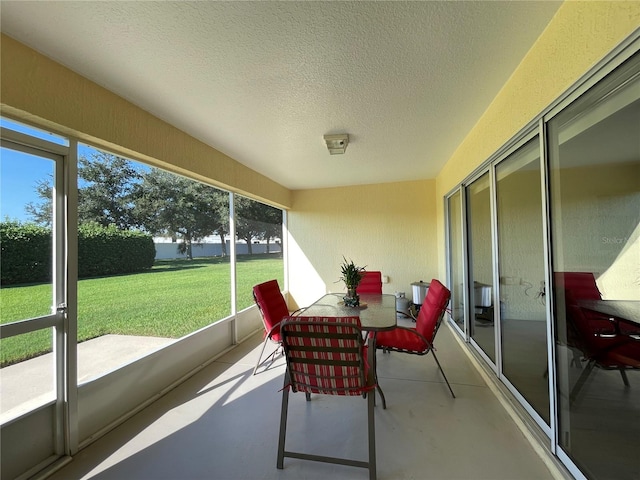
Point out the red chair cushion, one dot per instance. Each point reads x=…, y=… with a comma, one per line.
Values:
x=272, y=306
x=431, y=310
x=624, y=355
x=401, y=339
x=371, y=282
x=582, y=285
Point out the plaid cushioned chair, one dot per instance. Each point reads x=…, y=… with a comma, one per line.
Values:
x=371, y=282
x=327, y=356
x=273, y=310
x=419, y=340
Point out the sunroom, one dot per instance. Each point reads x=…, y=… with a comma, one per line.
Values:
x=543, y=182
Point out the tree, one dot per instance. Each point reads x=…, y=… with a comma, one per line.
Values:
x=256, y=220
x=273, y=224
x=247, y=225
x=42, y=212
x=222, y=215
x=108, y=193
x=168, y=204
x=116, y=191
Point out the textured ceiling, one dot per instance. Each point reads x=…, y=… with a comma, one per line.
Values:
x=264, y=81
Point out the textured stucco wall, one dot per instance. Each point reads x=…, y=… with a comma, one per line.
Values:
x=35, y=89
x=521, y=244
x=387, y=227
x=579, y=35
x=600, y=227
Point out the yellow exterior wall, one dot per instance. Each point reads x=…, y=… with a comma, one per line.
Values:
x=386, y=227
x=37, y=90
x=579, y=35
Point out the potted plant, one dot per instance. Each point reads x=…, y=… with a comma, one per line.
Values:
x=351, y=276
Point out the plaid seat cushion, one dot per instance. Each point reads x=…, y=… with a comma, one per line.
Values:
x=325, y=355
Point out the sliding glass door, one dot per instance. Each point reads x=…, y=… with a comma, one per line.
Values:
x=595, y=227
x=547, y=248
x=480, y=288
x=522, y=315
x=456, y=257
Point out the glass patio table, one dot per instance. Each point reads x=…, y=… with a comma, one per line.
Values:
x=377, y=313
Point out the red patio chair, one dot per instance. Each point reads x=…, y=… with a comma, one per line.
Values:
x=419, y=340
x=273, y=309
x=326, y=356
x=371, y=282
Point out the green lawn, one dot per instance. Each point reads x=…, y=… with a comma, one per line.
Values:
x=174, y=298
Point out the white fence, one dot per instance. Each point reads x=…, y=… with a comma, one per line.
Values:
x=166, y=250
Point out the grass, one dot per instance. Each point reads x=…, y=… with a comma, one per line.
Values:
x=174, y=298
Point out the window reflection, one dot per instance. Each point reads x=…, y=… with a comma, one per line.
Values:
x=481, y=266
x=456, y=259
x=523, y=324
x=595, y=200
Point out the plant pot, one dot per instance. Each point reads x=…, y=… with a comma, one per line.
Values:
x=351, y=299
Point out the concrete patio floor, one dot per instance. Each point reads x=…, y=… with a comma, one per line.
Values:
x=222, y=423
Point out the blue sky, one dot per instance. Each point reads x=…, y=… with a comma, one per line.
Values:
x=20, y=173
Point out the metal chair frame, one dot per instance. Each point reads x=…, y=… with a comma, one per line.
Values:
x=322, y=364
x=269, y=331
x=429, y=344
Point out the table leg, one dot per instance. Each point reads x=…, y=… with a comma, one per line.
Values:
x=374, y=367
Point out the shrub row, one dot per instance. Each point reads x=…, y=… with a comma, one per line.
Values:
x=25, y=255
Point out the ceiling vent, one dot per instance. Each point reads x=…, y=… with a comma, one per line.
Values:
x=337, y=143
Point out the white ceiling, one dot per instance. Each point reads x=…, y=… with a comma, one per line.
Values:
x=264, y=81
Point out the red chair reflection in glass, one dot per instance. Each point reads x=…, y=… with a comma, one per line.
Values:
x=326, y=356
x=371, y=282
x=273, y=309
x=582, y=286
x=602, y=341
x=608, y=351
x=419, y=340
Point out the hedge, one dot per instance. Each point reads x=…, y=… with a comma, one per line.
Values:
x=26, y=252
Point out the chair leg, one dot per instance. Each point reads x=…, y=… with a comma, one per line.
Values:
x=624, y=377
x=264, y=344
x=442, y=371
x=283, y=422
x=581, y=380
x=372, y=434
x=272, y=356
x=375, y=377
x=576, y=360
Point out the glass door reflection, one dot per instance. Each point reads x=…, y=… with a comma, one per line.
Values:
x=456, y=255
x=481, y=308
x=594, y=168
x=523, y=326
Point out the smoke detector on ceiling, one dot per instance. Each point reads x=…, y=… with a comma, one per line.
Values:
x=337, y=143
